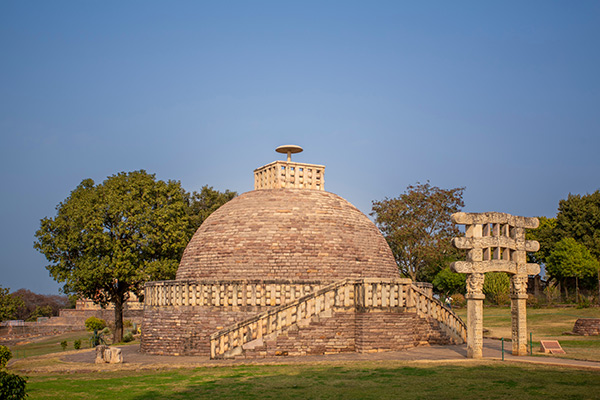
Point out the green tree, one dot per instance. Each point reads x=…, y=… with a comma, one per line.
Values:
x=449, y=283
x=546, y=235
x=418, y=228
x=200, y=205
x=579, y=218
x=108, y=239
x=40, y=311
x=571, y=259
x=9, y=304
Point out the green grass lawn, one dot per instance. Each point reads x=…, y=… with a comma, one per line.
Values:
x=358, y=380
x=48, y=345
x=545, y=324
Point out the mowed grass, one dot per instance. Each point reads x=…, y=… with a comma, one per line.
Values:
x=48, y=345
x=545, y=324
x=358, y=380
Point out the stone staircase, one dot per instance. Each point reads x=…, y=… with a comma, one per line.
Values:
x=348, y=315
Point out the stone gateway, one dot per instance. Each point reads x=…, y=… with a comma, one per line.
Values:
x=290, y=269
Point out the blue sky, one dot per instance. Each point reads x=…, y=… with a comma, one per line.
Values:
x=500, y=97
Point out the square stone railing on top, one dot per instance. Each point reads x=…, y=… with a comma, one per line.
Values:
x=290, y=175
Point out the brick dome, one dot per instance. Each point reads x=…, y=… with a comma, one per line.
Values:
x=293, y=234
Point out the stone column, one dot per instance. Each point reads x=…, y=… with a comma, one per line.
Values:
x=518, y=307
x=475, y=298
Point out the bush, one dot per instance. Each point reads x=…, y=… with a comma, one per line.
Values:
x=63, y=344
x=496, y=287
x=458, y=300
x=12, y=386
x=127, y=323
x=77, y=344
x=128, y=337
x=94, y=324
x=5, y=356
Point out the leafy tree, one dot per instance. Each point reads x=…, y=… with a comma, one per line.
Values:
x=36, y=305
x=449, y=283
x=9, y=304
x=418, y=228
x=43, y=311
x=108, y=239
x=571, y=259
x=546, y=235
x=200, y=205
x=579, y=218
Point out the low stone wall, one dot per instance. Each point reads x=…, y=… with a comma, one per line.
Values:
x=587, y=326
x=395, y=330
x=77, y=317
x=179, y=330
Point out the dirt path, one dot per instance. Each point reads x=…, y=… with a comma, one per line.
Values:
x=83, y=360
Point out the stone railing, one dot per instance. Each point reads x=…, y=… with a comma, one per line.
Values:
x=427, y=306
x=225, y=293
x=276, y=319
x=364, y=294
x=291, y=175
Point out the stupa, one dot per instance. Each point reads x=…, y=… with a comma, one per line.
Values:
x=290, y=269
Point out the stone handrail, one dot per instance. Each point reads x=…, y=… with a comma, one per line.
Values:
x=239, y=293
x=427, y=306
x=363, y=294
x=336, y=294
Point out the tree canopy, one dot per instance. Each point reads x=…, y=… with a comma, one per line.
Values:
x=567, y=241
x=108, y=239
x=200, y=205
x=579, y=218
x=418, y=228
x=571, y=259
x=9, y=304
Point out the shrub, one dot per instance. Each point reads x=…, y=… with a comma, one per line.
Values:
x=63, y=344
x=458, y=300
x=496, y=287
x=77, y=344
x=128, y=337
x=94, y=324
x=5, y=356
x=12, y=386
x=127, y=323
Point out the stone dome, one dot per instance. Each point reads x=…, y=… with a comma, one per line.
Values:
x=291, y=234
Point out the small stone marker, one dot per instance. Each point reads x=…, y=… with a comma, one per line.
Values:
x=551, y=346
x=111, y=355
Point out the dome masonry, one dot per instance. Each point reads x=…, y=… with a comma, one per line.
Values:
x=290, y=228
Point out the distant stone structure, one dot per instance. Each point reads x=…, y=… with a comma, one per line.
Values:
x=587, y=327
x=495, y=242
x=290, y=269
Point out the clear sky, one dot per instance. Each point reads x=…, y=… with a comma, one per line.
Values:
x=500, y=97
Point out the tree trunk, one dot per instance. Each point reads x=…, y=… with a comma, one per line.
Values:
x=118, y=336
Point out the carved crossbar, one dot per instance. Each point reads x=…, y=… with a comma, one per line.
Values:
x=496, y=242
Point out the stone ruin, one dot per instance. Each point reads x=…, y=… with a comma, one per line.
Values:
x=290, y=269
x=495, y=242
x=110, y=355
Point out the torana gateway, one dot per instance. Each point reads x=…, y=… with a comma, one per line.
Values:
x=290, y=269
